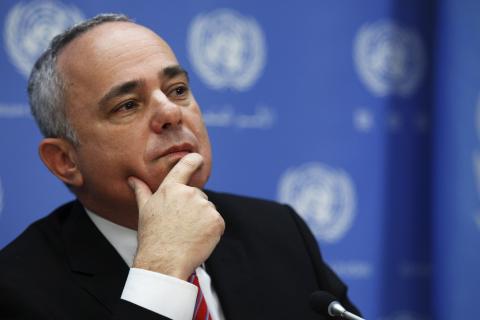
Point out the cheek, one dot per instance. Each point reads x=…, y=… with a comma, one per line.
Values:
x=195, y=123
x=116, y=142
x=113, y=158
x=205, y=150
x=204, y=142
x=199, y=128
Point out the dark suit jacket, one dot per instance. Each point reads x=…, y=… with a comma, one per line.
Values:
x=265, y=267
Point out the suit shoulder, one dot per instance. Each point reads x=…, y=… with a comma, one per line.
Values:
x=33, y=241
x=228, y=199
x=254, y=212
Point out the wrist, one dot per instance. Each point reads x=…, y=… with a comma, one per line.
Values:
x=169, y=269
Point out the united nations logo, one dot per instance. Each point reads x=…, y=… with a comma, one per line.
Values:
x=390, y=59
x=226, y=49
x=323, y=196
x=29, y=27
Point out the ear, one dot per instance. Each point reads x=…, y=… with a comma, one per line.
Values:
x=59, y=156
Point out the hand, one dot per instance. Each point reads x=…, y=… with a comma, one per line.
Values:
x=178, y=227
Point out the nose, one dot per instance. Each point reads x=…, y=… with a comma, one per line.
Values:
x=166, y=114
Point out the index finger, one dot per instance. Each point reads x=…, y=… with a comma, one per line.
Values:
x=184, y=169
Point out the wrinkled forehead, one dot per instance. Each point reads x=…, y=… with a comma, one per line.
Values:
x=110, y=43
x=108, y=55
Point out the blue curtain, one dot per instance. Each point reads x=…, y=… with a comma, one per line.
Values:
x=363, y=115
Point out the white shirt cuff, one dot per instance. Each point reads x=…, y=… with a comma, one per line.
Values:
x=165, y=295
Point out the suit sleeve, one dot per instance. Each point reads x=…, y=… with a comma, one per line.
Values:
x=15, y=305
x=127, y=310
x=326, y=278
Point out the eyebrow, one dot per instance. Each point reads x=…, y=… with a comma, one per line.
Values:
x=173, y=71
x=129, y=86
x=121, y=89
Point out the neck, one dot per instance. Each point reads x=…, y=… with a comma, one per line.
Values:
x=125, y=214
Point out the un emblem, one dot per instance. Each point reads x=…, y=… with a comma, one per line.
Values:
x=389, y=59
x=29, y=27
x=226, y=49
x=323, y=196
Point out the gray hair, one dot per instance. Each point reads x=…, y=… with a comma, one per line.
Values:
x=46, y=88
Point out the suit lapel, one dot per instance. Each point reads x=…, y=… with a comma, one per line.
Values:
x=94, y=263
x=232, y=278
x=99, y=269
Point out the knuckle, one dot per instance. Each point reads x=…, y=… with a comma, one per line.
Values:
x=207, y=204
x=199, y=193
x=189, y=192
x=219, y=223
x=164, y=187
x=211, y=204
x=215, y=222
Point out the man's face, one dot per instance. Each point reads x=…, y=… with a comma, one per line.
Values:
x=134, y=114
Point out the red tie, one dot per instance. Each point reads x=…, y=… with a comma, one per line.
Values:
x=201, y=310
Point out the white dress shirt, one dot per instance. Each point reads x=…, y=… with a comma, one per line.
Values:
x=160, y=293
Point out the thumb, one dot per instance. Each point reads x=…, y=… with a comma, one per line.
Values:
x=184, y=169
x=141, y=190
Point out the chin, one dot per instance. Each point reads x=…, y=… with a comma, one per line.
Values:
x=199, y=178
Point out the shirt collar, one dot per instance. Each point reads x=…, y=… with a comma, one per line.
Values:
x=123, y=239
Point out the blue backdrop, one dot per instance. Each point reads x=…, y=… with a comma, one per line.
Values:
x=363, y=115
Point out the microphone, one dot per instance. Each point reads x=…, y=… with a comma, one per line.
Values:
x=325, y=303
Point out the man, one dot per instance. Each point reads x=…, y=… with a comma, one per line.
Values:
x=125, y=134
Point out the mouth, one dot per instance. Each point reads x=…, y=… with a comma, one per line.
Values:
x=177, y=151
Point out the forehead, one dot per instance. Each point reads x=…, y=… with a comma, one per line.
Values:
x=112, y=51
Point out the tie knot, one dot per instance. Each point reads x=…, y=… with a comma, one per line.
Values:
x=194, y=279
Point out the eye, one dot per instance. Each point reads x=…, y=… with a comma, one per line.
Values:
x=179, y=91
x=126, y=106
